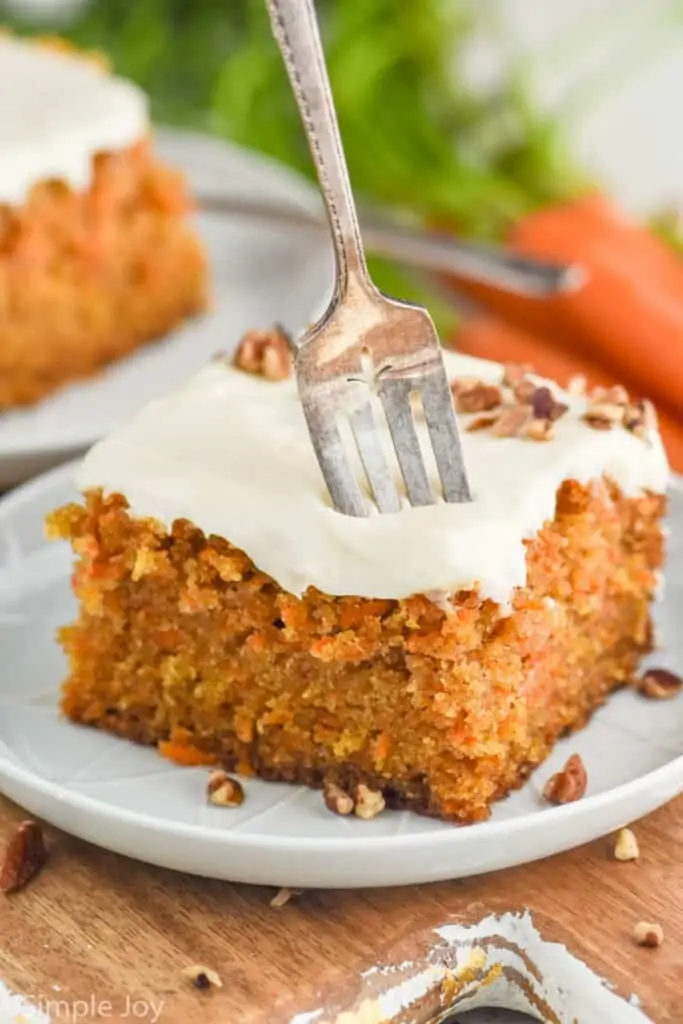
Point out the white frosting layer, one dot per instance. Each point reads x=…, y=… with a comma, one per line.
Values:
x=231, y=453
x=498, y=962
x=56, y=112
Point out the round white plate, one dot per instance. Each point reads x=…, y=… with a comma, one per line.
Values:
x=128, y=799
x=260, y=273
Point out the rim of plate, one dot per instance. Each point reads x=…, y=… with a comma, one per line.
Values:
x=214, y=155
x=458, y=833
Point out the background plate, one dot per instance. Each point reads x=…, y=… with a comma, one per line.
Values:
x=128, y=799
x=259, y=274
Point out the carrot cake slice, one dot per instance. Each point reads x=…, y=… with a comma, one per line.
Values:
x=228, y=613
x=97, y=255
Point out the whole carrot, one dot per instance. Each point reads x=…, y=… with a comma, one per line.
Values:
x=629, y=314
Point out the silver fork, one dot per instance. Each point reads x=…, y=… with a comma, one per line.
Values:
x=419, y=248
x=366, y=344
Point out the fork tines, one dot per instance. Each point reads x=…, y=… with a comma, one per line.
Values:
x=396, y=395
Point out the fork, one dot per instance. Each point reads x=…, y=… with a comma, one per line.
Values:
x=419, y=248
x=366, y=346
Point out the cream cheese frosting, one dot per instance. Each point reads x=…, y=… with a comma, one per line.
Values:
x=56, y=112
x=231, y=452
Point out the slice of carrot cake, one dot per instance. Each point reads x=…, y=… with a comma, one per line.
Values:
x=228, y=613
x=97, y=255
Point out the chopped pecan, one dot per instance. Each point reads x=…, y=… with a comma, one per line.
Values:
x=604, y=416
x=524, y=391
x=515, y=378
x=477, y=397
x=337, y=799
x=567, y=785
x=481, y=423
x=25, y=855
x=224, y=791
x=608, y=407
x=511, y=421
x=459, y=384
x=545, y=406
x=647, y=934
x=539, y=429
x=626, y=846
x=640, y=417
x=362, y=801
x=514, y=374
x=634, y=419
x=283, y=896
x=659, y=684
x=368, y=802
x=265, y=353
x=598, y=422
x=202, y=977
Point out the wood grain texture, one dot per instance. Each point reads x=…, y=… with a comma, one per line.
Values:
x=104, y=928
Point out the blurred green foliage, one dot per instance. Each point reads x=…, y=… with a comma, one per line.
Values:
x=417, y=135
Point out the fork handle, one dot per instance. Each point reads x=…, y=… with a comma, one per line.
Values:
x=295, y=28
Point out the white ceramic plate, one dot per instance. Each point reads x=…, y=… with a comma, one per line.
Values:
x=128, y=799
x=260, y=274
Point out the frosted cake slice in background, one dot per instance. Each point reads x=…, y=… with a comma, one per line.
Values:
x=97, y=255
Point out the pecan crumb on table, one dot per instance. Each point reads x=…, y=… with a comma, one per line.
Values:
x=25, y=854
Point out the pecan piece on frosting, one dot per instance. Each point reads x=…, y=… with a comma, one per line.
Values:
x=524, y=391
x=538, y=429
x=514, y=374
x=481, y=422
x=545, y=406
x=265, y=354
x=475, y=396
x=607, y=407
x=512, y=421
x=640, y=417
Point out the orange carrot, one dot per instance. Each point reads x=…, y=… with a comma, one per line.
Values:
x=629, y=314
x=184, y=754
x=489, y=338
x=494, y=339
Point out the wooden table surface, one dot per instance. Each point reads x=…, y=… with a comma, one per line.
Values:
x=95, y=929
